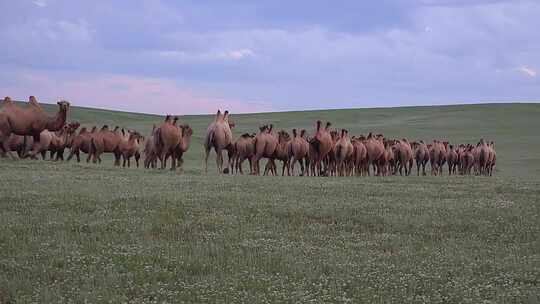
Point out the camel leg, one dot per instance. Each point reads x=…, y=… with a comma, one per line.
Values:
x=206, y=153
x=6, y=149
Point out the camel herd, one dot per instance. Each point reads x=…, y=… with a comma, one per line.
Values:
x=331, y=152
x=29, y=131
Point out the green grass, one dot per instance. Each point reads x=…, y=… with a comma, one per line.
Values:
x=74, y=232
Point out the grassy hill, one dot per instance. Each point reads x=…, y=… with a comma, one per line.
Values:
x=81, y=232
x=513, y=127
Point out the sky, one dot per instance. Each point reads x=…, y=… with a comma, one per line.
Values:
x=195, y=56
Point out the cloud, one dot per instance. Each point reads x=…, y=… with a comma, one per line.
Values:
x=40, y=3
x=528, y=71
x=126, y=93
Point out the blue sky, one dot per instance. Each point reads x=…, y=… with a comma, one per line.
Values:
x=190, y=57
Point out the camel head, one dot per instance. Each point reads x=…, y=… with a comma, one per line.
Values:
x=303, y=133
x=318, y=125
x=328, y=124
x=175, y=120
x=64, y=105
x=187, y=131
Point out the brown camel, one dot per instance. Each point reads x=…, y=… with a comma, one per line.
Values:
x=437, y=156
x=404, y=156
x=492, y=158
x=150, y=150
x=281, y=153
x=244, y=148
x=129, y=147
x=82, y=142
x=167, y=137
x=375, y=153
x=106, y=141
x=452, y=160
x=219, y=136
x=17, y=143
x=321, y=145
x=62, y=140
x=298, y=151
x=183, y=147
x=266, y=143
x=360, y=159
x=343, y=151
x=30, y=120
x=421, y=156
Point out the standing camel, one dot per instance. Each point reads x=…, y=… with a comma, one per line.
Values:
x=298, y=151
x=266, y=143
x=29, y=121
x=219, y=137
x=321, y=145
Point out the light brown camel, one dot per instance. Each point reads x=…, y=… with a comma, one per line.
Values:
x=266, y=143
x=106, y=141
x=492, y=158
x=167, y=137
x=129, y=147
x=404, y=156
x=343, y=152
x=375, y=153
x=62, y=140
x=321, y=144
x=421, y=156
x=183, y=147
x=281, y=153
x=298, y=151
x=360, y=160
x=82, y=142
x=150, y=150
x=452, y=160
x=437, y=156
x=219, y=137
x=244, y=148
x=29, y=120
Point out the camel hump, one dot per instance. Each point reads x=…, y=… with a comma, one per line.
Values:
x=33, y=101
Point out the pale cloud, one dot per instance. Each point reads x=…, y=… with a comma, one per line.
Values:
x=528, y=71
x=238, y=54
x=40, y=3
x=125, y=93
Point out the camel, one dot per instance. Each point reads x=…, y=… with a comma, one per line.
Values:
x=219, y=137
x=16, y=143
x=452, y=160
x=404, y=155
x=387, y=162
x=244, y=148
x=62, y=140
x=150, y=150
x=81, y=142
x=321, y=145
x=129, y=147
x=167, y=137
x=29, y=121
x=106, y=141
x=265, y=143
x=437, y=156
x=281, y=153
x=187, y=132
x=343, y=152
x=375, y=152
x=298, y=152
x=360, y=160
x=492, y=158
x=421, y=156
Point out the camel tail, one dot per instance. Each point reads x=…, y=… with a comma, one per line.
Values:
x=158, y=142
x=93, y=147
x=209, y=140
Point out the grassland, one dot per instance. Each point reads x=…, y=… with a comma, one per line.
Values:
x=74, y=232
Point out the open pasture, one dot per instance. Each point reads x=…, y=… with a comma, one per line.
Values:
x=71, y=232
